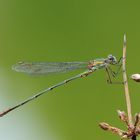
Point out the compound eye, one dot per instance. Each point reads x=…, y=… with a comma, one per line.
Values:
x=111, y=58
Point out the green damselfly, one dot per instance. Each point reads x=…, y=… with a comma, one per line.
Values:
x=39, y=68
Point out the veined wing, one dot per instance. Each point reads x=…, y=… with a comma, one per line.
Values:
x=39, y=68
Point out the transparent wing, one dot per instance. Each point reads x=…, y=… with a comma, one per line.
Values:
x=39, y=68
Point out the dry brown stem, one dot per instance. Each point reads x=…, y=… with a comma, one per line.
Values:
x=127, y=96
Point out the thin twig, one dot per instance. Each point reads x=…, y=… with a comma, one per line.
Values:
x=128, y=103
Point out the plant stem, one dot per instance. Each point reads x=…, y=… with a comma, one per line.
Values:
x=127, y=96
x=134, y=137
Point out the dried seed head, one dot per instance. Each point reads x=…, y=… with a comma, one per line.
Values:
x=104, y=126
x=135, y=77
x=118, y=131
x=114, y=130
x=122, y=116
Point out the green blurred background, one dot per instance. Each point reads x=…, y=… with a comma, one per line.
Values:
x=64, y=30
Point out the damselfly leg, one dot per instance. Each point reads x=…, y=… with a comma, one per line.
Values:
x=109, y=81
x=118, y=71
x=110, y=73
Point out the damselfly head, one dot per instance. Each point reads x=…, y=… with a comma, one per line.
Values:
x=112, y=59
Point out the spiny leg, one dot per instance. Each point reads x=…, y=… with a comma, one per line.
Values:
x=109, y=80
x=120, y=60
x=108, y=76
x=119, y=65
x=113, y=73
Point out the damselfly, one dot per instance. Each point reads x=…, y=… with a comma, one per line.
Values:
x=39, y=68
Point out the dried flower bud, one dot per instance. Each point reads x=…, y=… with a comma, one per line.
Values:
x=137, y=131
x=124, y=137
x=135, y=77
x=114, y=130
x=122, y=116
x=104, y=126
x=117, y=131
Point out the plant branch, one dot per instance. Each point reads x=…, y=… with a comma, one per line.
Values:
x=128, y=103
